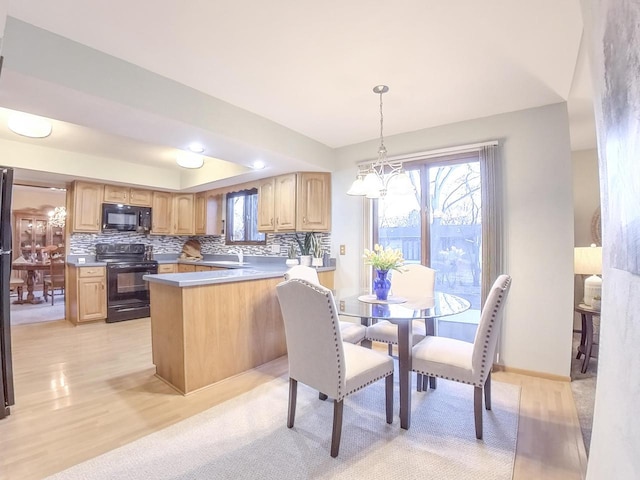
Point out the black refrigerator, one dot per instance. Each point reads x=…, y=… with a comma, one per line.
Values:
x=6, y=380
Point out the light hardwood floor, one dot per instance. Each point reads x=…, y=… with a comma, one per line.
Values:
x=82, y=391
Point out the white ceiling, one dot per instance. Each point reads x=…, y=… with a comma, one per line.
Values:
x=310, y=66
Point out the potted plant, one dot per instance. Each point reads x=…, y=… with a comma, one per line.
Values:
x=292, y=256
x=306, y=247
x=317, y=252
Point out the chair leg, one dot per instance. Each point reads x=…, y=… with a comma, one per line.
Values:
x=293, y=394
x=477, y=410
x=487, y=392
x=53, y=291
x=390, y=349
x=389, y=397
x=322, y=396
x=45, y=292
x=419, y=382
x=337, y=427
x=20, y=291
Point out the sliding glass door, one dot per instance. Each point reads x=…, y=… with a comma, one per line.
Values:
x=440, y=225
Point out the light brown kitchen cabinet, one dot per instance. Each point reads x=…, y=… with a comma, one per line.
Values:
x=87, y=294
x=313, y=212
x=184, y=268
x=183, y=214
x=266, y=205
x=295, y=203
x=127, y=196
x=208, y=213
x=167, y=268
x=140, y=197
x=87, y=206
x=161, y=212
x=277, y=204
x=116, y=194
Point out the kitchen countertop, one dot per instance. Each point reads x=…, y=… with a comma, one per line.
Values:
x=242, y=273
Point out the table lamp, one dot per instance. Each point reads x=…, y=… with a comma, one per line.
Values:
x=588, y=261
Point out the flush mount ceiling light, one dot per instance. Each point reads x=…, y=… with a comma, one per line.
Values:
x=189, y=159
x=381, y=176
x=196, y=148
x=258, y=165
x=29, y=125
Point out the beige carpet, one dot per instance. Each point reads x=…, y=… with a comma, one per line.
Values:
x=247, y=438
x=41, y=312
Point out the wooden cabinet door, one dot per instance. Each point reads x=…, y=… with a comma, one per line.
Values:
x=161, y=211
x=285, y=203
x=183, y=214
x=266, y=204
x=141, y=198
x=87, y=205
x=314, y=202
x=116, y=194
x=201, y=213
x=92, y=298
x=184, y=268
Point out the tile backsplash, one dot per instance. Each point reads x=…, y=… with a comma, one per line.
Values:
x=84, y=243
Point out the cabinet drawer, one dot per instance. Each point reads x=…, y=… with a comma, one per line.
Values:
x=91, y=272
x=167, y=268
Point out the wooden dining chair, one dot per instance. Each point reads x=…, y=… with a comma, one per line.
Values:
x=351, y=332
x=54, y=280
x=320, y=359
x=466, y=362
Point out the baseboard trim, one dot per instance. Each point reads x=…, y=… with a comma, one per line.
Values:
x=531, y=373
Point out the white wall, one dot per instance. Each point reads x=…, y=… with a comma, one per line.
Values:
x=538, y=208
x=613, y=30
x=586, y=194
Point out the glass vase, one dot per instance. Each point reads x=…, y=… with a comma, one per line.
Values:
x=381, y=284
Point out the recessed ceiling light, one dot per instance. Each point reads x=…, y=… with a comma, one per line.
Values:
x=29, y=125
x=258, y=165
x=189, y=159
x=196, y=148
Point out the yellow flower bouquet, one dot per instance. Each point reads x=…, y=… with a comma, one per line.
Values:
x=383, y=258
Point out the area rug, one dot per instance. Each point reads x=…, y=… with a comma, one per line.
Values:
x=41, y=312
x=247, y=438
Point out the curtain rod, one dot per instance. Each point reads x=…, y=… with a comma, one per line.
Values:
x=407, y=157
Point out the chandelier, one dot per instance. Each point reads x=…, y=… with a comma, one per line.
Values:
x=57, y=217
x=381, y=176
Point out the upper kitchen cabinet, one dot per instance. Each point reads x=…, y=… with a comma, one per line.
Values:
x=314, y=202
x=277, y=204
x=208, y=213
x=173, y=213
x=161, y=212
x=87, y=204
x=127, y=196
x=183, y=214
x=295, y=203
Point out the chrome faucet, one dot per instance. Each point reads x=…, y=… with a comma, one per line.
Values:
x=240, y=257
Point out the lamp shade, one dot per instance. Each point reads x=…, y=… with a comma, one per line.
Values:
x=587, y=260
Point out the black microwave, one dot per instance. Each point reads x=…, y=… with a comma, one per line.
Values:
x=126, y=218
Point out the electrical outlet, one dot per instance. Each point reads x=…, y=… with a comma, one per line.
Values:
x=275, y=248
x=81, y=261
x=342, y=305
x=343, y=249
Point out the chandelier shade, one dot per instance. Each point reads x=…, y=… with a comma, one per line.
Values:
x=378, y=178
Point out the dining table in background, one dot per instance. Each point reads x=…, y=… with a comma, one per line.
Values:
x=31, y=268
x=403, y=313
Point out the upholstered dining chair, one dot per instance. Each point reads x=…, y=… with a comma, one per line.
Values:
x=413, y=283
x=54, y=280
x=320, y=359
x=351, y=332
x=466, y=362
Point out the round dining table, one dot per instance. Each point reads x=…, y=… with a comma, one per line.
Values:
x=31, y=268
x=403, y=312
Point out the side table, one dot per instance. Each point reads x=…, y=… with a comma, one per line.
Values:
x=587, y=346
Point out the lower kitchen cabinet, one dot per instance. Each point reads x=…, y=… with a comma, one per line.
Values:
x=87, y=294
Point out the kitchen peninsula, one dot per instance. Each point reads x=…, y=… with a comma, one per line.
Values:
x=209, y=325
